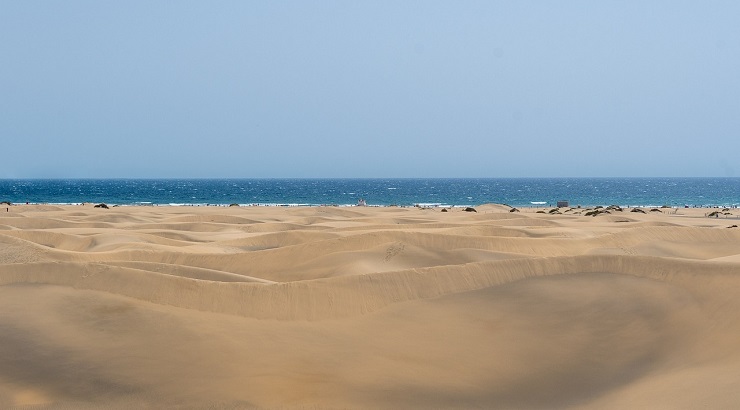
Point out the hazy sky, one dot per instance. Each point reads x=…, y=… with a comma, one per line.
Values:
x=369, y=89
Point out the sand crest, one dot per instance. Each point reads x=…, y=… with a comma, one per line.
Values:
x=324, y=307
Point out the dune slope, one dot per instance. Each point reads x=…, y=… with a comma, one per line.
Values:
x=366, y=308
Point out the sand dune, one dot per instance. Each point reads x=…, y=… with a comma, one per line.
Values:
x=325, y=307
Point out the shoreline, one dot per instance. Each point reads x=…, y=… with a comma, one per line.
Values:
x=370, y=205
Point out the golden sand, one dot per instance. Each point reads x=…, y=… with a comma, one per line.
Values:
x=324, y=307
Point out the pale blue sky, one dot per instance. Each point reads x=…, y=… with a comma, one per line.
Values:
x=369, y=89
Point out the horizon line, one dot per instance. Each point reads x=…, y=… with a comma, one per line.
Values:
x=356, y=178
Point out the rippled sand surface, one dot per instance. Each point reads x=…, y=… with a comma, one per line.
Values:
x=324, y=307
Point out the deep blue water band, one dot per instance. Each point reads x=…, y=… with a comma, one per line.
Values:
x=512, y=191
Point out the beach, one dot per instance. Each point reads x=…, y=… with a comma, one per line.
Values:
x=368, y=307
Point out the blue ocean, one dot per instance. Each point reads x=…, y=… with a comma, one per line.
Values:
x=519, y=192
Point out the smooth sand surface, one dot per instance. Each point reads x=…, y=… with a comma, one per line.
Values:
x=369, y=308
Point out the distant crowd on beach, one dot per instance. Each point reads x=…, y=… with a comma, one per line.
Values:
x=549, y=205
x=362, y=202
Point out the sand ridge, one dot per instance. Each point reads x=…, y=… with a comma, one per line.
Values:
x=326, y=307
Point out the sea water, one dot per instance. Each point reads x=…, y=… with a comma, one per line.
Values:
x=519, y=192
